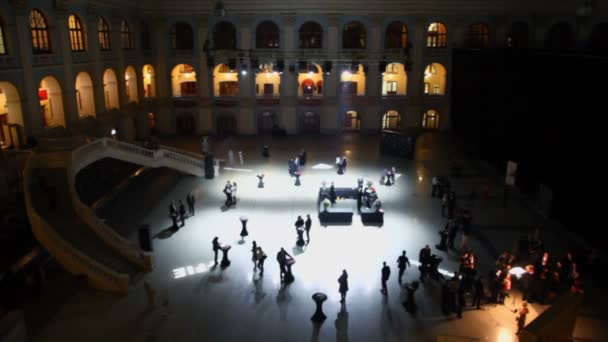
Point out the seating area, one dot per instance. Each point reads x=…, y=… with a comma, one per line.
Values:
x=347, y=204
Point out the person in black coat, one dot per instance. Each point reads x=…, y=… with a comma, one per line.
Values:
x=478, y=293
x=386, y=273
x=332, y=193
x=402, y=263
x=442, y=246
x=182, y=213
x=299, y=222
x=190, y=200
x=216, y=247
x=343, y=281
x=307, y=226
x=173, y=214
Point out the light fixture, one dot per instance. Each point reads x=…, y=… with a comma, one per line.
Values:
x=113, y=132
x=310, y=73
x=244, y=72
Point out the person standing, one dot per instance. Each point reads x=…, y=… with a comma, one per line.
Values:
x=254, y=257
x=478, y=293
x=402, y=262
x=307, y=226
x=241, y=157
x=151, y=294
x=444, y=203
x=173, y=214
x=228, y=192
x=190, y=199
x=343, y=281
x=205, y=146
x=386, y=273
x=182, y=213
x=332, y=193
x=231, y=157
x=299, y=222
x=282, y=260
x=233, y=193
x=216, y=248
x=435, y=184
x=521, y=318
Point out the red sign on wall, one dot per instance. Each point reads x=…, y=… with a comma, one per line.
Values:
x=43, y=94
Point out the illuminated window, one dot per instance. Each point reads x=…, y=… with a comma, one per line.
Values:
x=430, y=119
x=391, y=87
x=352, y=121
x=396, y=36
x=125, y=35
x=311, y=35
x=391, y=120
x=354, y=36
x=76, y=33
x=267, y=36
x=437, y=35
x=479, y=35
x=104, y=34
x=40, y=32
x=436, y=88
x=3, y=50
x=427, y=87
x=182, y=37
x=151, y=120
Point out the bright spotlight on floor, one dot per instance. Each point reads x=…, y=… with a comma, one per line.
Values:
x=322, y=166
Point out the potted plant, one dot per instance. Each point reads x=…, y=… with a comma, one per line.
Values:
x=326, y=203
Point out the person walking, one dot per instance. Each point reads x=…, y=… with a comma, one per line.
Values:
x=261, y=257
x=521, y=318
x=402, y=263
x=343, y=281
x=307, y=226
x=182, y=213
x=386, y=273
x=216, y=248
x=254, y=257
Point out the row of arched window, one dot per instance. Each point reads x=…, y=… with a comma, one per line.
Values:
x=267, y=35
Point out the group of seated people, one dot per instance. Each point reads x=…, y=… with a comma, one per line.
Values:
x=429, y=264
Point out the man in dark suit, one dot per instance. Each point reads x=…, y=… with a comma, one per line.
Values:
x=386, y=273
x=173, y=214
x=402, y=262
x=190, y=200
x=216, y=248
x=182, y=213
x=307, y=226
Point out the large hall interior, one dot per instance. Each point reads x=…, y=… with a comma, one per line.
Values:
x=302, y=171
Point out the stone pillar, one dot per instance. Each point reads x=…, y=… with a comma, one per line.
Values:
x=70, y=105
x=247, y=39
x=117, y=51
x=373, y=78
x=32, y=114
x=95, y=55
x=332, y=34
x=415, y=76
x=204, y=119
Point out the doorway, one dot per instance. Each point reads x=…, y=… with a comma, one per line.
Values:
x=226, y=125
x=310, y=123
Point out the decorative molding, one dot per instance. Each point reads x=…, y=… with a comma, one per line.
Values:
x=333, y=19
x=289, y=19
x=245, y=20
x=61, y=5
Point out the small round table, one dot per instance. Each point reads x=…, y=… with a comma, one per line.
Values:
x=288, y=275
x=244, y=229
x=298, y=174
x=225, y=262
x=261, y=181
x=300, y=242
x=265, y=151
x=319, y=316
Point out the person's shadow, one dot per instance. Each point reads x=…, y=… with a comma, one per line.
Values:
x=283, y=299
x=258, y=289
x=165, y=233
x=342, y=324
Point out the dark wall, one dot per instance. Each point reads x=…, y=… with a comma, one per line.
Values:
x=543, y=110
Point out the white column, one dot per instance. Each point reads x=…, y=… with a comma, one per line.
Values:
x=70, y=106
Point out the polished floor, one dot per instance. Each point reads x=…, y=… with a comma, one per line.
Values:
x=206, y=303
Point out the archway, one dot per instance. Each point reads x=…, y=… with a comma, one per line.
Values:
x=84, y=95
x=310, y=123
x=131, y=85
x=434, y=79
x=149, y=77
x=226, y=124
x=352, y=81
x=110, y=89
x=225, y=81
x=310, y=80
x=51, y=102
x=352, y=121
x=266, y=122
x=11, y=116
x=183, y=80
x=394, y=80
x=430, y=119
x=267, y=81
x=391, y=120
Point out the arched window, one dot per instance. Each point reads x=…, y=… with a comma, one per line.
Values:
x=598, y=40
x=76, y=33
x=518, y=36
x=145, y=36
x=354, y=36
x=311, y=35
x=40, y=32
x=103, y=30
x=394, y=80
x=396, y=36
x=430, y=119
x=224, y=36
x=434, y=79
x=352, y=121
x=3, y=50
x=125, y=35
x=391, y=120
x=437, y=35
x=479, y=35
x=182, y=37
x=560, y=37
x=267, y=36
